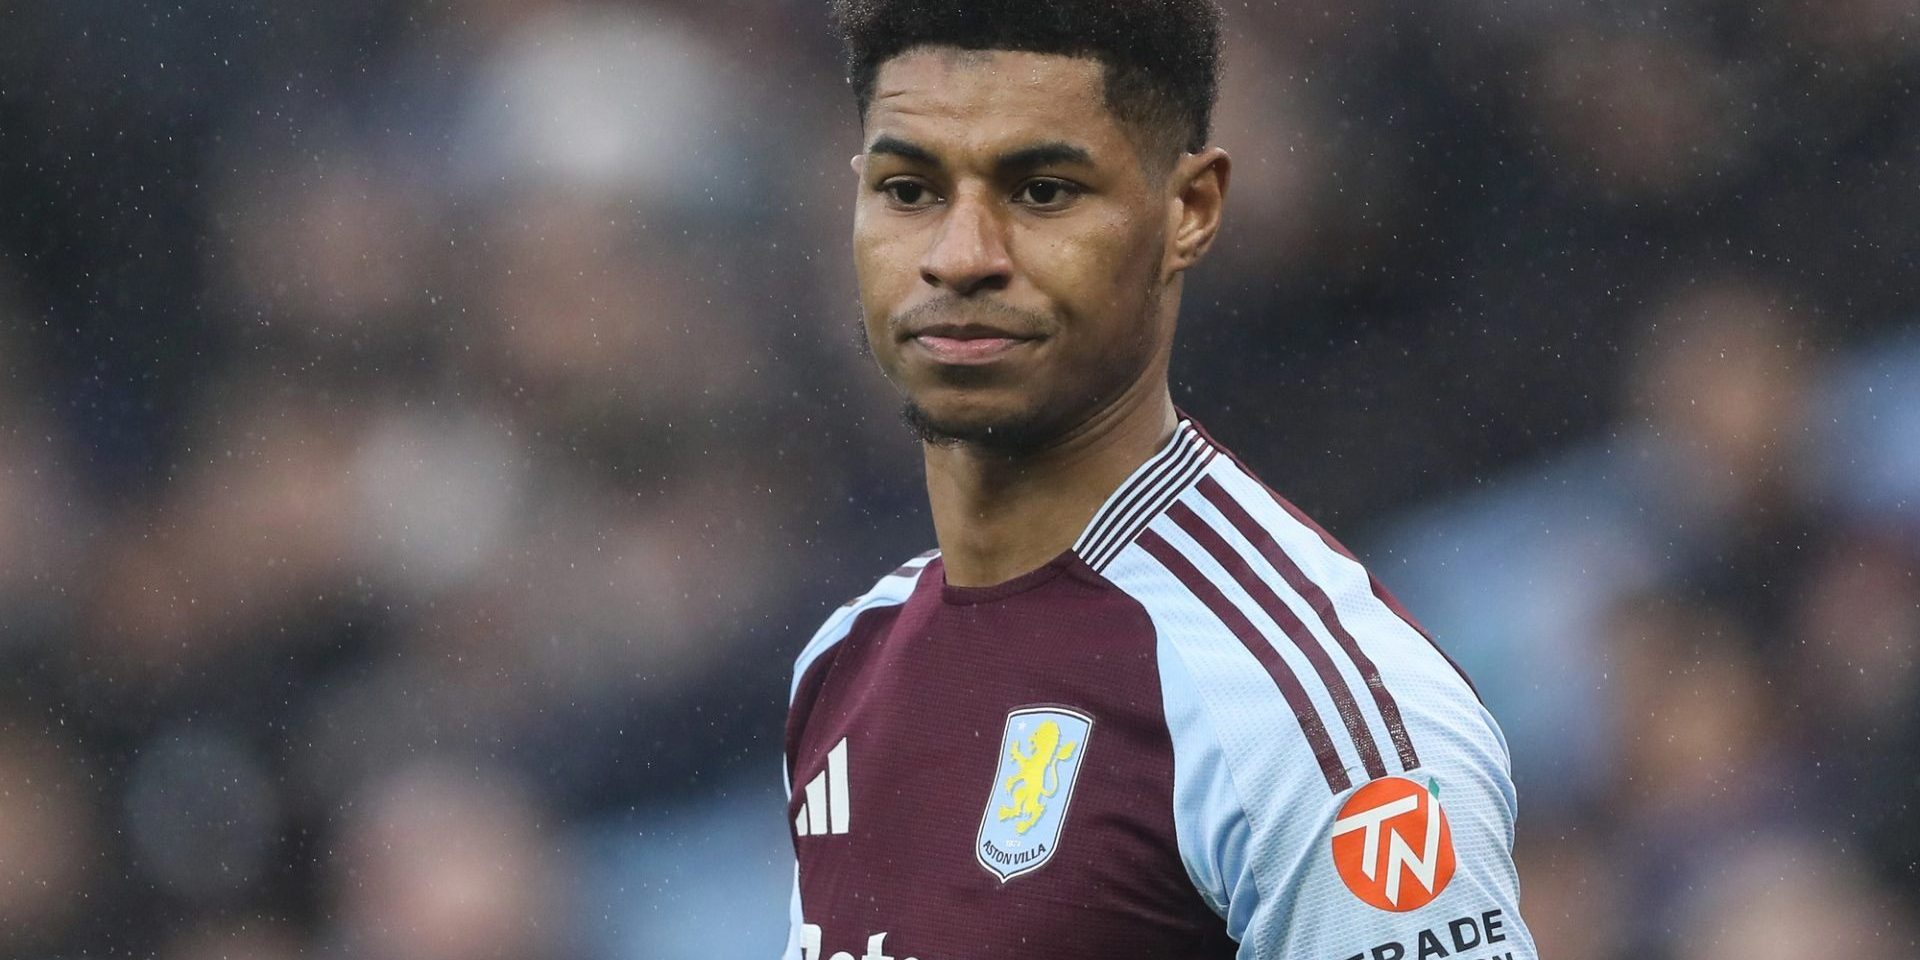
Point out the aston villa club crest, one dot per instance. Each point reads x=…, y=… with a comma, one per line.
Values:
x=1041, y=753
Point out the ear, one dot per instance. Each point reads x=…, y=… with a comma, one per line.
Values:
x=1198, y=188
x=859, y=164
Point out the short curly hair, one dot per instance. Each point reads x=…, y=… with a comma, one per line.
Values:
x=1162, y=57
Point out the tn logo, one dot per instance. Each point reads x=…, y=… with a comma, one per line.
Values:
x=1036, y=777
x=1388, y=832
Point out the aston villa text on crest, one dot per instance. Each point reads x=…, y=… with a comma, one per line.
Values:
x=1011, y=858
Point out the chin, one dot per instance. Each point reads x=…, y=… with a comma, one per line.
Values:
x=1012, y=428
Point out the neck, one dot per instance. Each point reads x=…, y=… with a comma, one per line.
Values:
x=998, y=515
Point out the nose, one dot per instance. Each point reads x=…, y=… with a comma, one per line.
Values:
x=969, y=250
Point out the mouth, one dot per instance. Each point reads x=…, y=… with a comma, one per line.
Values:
x=968, y=344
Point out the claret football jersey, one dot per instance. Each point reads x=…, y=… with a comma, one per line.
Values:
x=1202, y=732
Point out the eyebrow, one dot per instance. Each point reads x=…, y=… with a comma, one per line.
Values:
x=903, y=149
x=1050, y=154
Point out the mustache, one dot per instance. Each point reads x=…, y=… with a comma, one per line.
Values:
x=992, y=313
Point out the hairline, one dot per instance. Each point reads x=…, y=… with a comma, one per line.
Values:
x=1156, y=148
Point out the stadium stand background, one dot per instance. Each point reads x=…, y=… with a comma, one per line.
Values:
x=428, y=430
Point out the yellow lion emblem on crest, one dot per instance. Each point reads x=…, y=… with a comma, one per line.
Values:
x=1038, y=775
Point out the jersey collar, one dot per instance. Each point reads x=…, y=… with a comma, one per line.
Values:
x=1143, y=495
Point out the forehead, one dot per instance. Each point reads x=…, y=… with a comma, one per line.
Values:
x=987, y=99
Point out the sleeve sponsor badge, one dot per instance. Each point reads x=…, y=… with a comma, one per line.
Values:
x=1392, y=844
x=1041, y=754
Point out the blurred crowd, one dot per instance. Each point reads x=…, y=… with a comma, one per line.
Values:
x=1701, y=631
x=429, y=428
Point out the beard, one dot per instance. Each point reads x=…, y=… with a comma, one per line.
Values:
x=1012, y=436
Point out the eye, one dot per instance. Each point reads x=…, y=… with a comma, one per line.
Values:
x=907, y=193
x=1046, y=193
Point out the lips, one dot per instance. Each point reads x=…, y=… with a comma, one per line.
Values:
x=974, y=350
x=967, y=343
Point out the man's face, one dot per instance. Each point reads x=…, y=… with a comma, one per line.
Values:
x=1009, y=244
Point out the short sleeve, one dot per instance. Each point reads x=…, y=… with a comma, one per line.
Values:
x=1411, y=866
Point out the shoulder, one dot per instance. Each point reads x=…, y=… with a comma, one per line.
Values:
x=1291, y=679
x=1281, y=646
x=892, y=590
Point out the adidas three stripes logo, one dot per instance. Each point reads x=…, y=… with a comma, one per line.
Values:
x=826, y=810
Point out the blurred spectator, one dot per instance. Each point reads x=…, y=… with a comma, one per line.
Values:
x=247, y=534
x=440, y=863
x=44, y=525
x=1851, y=669
x=1868, y=446
x=1789, y=897
x=608, y=98
x=1574, y=892
x=324, y=262
x=1703, y=481
x=1699, y=756
x=1855, y=657
x=49, y=845
x=203, y=814
x=1636, y=116
x=245, y=939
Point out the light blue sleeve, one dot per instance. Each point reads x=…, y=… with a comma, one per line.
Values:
x=1255, y=821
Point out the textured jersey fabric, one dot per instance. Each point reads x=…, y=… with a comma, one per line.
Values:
x=1203, y=732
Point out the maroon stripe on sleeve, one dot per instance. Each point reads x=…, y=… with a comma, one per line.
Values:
x=1379, y=590
x=1323, y=606
x=1373, y=583
x=1340, y=548
x=1296, y=696
x=1303, y=638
